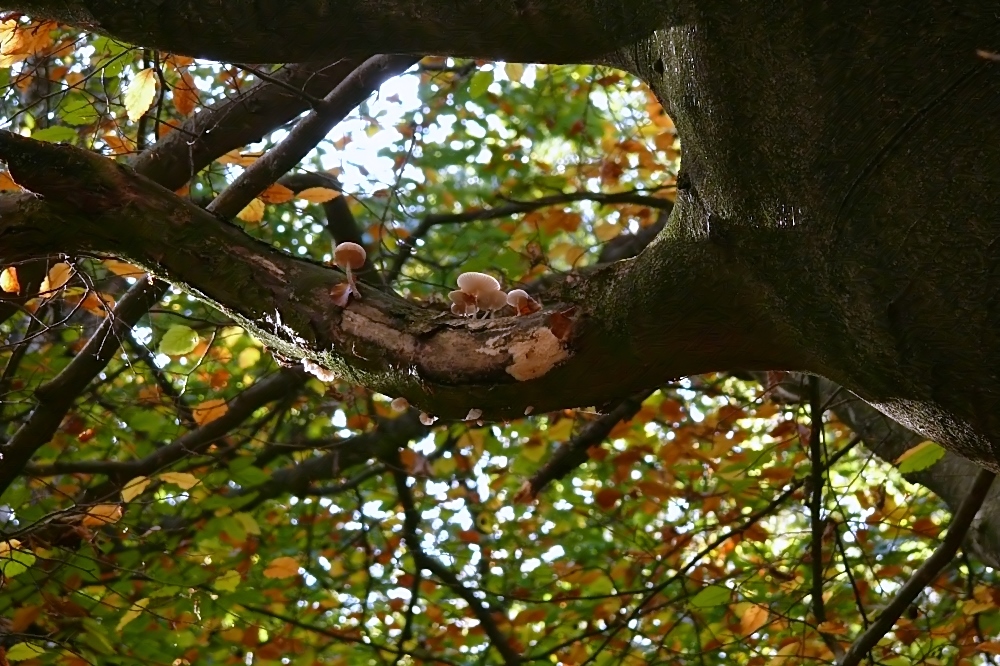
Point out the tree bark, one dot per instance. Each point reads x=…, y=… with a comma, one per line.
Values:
x=278, y=31
x=836, y=210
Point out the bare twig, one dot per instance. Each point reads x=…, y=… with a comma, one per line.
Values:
x=312, y=129
x=929, y=570
x=573, y=453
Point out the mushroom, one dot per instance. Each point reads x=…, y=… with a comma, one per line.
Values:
x=463, y=304
x=350, y=257
x=474, y=283
x=492, y=301
x=522, y=302
x=483, y=290
x=400, y=405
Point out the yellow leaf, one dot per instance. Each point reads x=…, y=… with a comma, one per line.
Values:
x=8, y=281
x=132, y=613
x=248, y=357
x=276, y=194
x=754, y=617
x=57, y=278
x=134, y=488
x=318, y=194
x=253, y=213
x=282, y=567
x=182, y=479
x=514, y=71
x=208, y=411
x=122, y=268
x=102, y=514
x=7, y=546
x=140, y=93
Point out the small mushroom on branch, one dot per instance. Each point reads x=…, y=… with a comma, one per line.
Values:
x=350, y=257
x=522, y=302
x=477, y=291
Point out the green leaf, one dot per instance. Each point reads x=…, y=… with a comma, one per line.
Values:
x=78, y=109
x=16, y=562
x=920, y=457
x=178, y=340
x=481, y=80
x=22, y=651
x=228, y=582
x=54, y=134
x=713, y=595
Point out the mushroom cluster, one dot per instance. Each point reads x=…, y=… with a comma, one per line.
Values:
x=479, y=292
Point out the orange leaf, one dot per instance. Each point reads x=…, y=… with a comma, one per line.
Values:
x=282, y=567
x=185, y=93
x=318, y=194
x=754, y=617
x=7, y=183
x=102, y=514
x=208, y=411
x=57, y=278
x=276, y=194
x=8, y=281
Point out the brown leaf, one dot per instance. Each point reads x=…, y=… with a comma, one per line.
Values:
x=318, y=194
x=185, y=93
x=607, y=497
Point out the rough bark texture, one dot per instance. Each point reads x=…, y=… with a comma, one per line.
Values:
x=836, y=213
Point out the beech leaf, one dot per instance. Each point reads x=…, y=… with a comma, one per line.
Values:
x=318, y=195
x=178, y=340
x=140, y=93
x=920, y=457
x=282, y=567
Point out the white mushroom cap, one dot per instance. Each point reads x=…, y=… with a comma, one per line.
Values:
x=463, y=304
x=517, y=296
x=522, y=302
x=349, y=255
x=477, y=283
x=492, y=300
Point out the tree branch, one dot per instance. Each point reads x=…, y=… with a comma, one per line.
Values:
x=680, y=308
x=922, y=577
x=275, y=31
x=309, y=131
x=56, y=396
x=411, y=521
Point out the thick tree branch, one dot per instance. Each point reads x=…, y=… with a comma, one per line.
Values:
x=618, y=329
x=922, y=577
x=276, y=31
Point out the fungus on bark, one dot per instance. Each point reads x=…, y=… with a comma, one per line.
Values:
x=522, y=302
x=350, y=257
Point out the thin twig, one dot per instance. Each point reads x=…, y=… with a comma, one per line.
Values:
x=927, y=572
